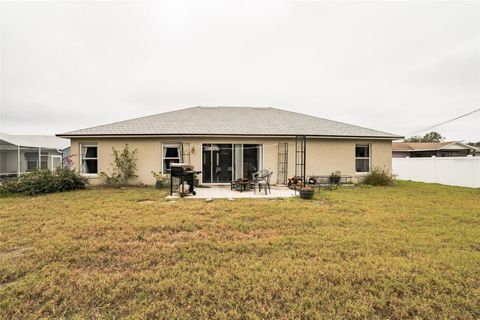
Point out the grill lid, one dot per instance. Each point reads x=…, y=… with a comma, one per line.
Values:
x=183, y=166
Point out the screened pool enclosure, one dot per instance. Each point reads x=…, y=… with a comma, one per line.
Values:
x=21, y=153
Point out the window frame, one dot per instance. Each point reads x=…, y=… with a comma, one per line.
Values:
x=170, y=145
x=87, y=144
x=369, y=158
x=44, y=161
x=35, y=167
x=61, y=160
x=38, y=161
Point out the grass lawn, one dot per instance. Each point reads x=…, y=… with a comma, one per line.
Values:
x=397, y=252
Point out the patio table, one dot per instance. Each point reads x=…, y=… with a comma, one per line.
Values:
x=241, y=185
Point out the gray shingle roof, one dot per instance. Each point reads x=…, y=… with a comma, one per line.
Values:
x=230, y=121
x=36, y=141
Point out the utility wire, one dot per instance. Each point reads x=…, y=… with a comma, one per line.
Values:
x=442, y=123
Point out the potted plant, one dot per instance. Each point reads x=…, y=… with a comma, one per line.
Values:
x=162, y=180
x=306, y=192
x=294, y=183
x=335, y=177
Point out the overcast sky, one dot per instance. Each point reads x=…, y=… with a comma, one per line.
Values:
x=391, y=66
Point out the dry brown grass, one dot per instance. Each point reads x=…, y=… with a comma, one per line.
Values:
x=411, y=251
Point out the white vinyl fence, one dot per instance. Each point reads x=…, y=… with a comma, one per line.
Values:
x=454, y=171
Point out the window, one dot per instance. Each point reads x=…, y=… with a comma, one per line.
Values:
x=56, y=162
x=88, y=159
x=362, y=158
x=32, y=160
x=171, y=154
x=44, y=161
x=31, y=165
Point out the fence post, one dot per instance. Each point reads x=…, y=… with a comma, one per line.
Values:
x=434, y=166
x=408, y=168
x=19, y=168
x=472, y=170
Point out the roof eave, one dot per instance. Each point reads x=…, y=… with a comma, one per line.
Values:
x=466, y=146
x=69, y=136
x=415, y=150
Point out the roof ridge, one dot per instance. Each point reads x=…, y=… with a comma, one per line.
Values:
x=234, y=107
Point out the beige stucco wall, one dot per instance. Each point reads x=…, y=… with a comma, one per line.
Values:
x=323, y=155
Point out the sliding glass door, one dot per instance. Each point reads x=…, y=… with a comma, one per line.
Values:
x=217, y=163
x=251, y=159
x=224, y=162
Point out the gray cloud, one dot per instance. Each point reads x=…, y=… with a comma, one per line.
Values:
x=393, y=66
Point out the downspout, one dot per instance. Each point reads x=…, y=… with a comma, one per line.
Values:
x=61, y=164
x=18, y=161
x=304, y=160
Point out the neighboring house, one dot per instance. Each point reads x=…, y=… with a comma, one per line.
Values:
x=438, y=149
x=228, y=143
x=25, y=153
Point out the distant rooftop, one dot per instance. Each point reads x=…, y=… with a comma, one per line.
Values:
x=250, y=121
x=36, y=141
x=429, y=146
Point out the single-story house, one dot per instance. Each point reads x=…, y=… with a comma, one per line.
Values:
x=429, y=149
x=228, y=143
x=25, y=153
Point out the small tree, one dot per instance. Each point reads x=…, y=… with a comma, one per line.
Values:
x=67, y=161
x=429, y=137
x=414, y=139
x=433, y=137
x=124, y=167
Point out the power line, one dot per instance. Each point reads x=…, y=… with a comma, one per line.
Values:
x=444, y=122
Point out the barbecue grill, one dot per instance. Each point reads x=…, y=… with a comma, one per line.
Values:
x=186, y=174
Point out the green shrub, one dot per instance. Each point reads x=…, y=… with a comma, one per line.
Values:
x=123, y=167
x=379, y=177
x=44, y=181
x=66, y=180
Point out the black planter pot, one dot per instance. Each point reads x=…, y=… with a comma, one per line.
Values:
x=158, y=185
x=307, y=194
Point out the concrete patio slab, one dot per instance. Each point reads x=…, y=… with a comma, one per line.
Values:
x=224, y=192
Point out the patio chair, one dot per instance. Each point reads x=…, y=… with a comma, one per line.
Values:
x=262, y=180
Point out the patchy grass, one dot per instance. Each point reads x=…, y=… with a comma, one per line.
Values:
x=411, y=251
